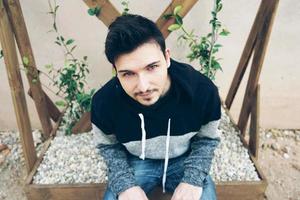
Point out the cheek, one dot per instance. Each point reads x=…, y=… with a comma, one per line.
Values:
x=127, y=86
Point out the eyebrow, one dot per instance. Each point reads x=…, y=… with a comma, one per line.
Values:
x=150, y=64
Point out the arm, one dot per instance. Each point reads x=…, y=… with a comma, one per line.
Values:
x=197, y=164
x=120, y=174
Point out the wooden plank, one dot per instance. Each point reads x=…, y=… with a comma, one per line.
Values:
x=247, y=52
x=164, y=24
x=16, y=87
x=254, y=124
x=54, y=112
x=66, y=192
x=258, y=58
x=84, y=124
x=19, y=28
x=108, y=12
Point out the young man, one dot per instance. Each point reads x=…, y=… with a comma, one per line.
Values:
x=156, y=121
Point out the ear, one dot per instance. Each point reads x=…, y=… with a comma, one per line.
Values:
x=168, y=57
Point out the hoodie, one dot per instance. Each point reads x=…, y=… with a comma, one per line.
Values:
x=185, y=118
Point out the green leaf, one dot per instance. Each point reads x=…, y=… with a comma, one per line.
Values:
x=91, y=11
x=178, y=20
x=1, y=53
x=60, y=103
x=167, y=16
x=177, y=9
x=85, y=58
x=219, y=8
x=70, y=41
x=62, y=38
x=217, y=45
x=58, y=43
x=97, y=10
x=25, y=60
x=224, y=32
x=174, y=27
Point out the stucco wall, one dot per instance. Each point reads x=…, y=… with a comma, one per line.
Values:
x=280, y=89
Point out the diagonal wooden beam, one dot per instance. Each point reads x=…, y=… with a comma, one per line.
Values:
x=163, y=24
x=247, y=52
x=108, y=12
x=19, y=28
x=54, y=112
x=16, y=88
x=258, y=58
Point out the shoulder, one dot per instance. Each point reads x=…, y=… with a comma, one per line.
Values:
x=106, y=94
x=198, y=83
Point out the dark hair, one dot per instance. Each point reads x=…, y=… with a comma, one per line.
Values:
x=128, y=32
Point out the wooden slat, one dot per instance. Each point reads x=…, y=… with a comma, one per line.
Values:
x=54, y=112
x=108, y=12
x=247, y=52
x=164, y=24
x=17, y=89
x=66, y=192
x=84, y=124
x=254, y=124
x=258, y=58
x=19, y=28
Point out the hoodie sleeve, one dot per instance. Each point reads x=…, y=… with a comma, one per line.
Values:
x=120, y=174
x=197, y=164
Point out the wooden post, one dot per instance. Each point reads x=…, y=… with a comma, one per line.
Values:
x=163, y=24
x=52, y=108
x=258, y=58
x=108, y=12
x=247, y=52
x=16, y=18
x=254, y=124
x=17, y=90
x=84, y=124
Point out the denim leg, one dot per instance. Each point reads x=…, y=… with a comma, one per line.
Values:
x=147, y=175
x=209, y=189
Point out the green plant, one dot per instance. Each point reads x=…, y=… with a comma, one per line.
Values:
x=71, y=78
x=94, y=11
x=203, y=48
x=1, y=53
x=125, y=4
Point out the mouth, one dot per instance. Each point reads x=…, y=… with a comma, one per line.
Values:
x=145, y=94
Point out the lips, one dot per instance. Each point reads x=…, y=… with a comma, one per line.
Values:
x=146, y=94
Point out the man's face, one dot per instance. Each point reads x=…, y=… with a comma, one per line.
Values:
x=143, y=73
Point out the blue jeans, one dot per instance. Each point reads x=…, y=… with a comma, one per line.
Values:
x=148, y=174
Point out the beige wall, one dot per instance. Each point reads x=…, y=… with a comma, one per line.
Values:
x=280, y=89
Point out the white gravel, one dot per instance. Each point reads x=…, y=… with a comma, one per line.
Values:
x=73, y=159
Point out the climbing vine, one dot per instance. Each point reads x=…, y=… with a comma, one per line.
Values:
x=202, y=48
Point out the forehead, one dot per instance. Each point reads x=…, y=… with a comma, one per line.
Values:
x=140, y=57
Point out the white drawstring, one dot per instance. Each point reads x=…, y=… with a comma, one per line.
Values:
x=166, y=157
x=142, y=156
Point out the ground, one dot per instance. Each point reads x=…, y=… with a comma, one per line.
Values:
x=278, y=158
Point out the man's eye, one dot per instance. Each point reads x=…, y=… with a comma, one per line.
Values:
x=127, y=74
x=151, y=67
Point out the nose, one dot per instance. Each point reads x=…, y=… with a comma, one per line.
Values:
x=143, y=84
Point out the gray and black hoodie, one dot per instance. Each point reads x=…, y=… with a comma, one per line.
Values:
x=185, y=119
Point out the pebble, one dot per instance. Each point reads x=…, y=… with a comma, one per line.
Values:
x=286, y=156
x=275, y=146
